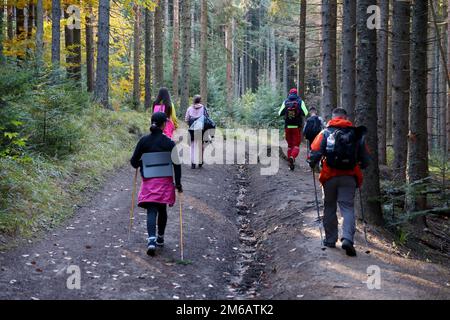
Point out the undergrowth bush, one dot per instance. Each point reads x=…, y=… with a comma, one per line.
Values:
x=54, y=145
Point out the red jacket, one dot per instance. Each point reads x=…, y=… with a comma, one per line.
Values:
x=317, y=152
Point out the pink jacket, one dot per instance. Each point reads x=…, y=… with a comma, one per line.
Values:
x=170, y=126
x=158, y=190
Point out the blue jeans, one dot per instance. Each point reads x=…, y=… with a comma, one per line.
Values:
x=156, y=211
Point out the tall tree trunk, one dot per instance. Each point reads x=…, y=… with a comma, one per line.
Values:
x=204, y=52
x=301, y=53
x=30, y=19
x=158, y=41
x=272, y=59
x=166, y=17
x=431, y=72
x=90, y=50
x=56, y=34
x=40, y=32
x=101, y=92
x=2, y=10
x=186, y=54
x=10, y=20
x=69, y=46
x=20, y=27
x=348, y=58
x=285, y=74
x=389, y=82
x=137, y=58
x=400, y=86
x=382, y=67
x=366, y=108
x=329, y=25
x=435, y=98
x=77, y=51
x=448, y=91
x=417, y=138
x=20, y=22
x=229, y=75
x=148, y=58
x=176, y=49
x=443, y=85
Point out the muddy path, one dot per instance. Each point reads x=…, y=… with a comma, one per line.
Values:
x=246, y=236
x=112, y=267
x=284, y=222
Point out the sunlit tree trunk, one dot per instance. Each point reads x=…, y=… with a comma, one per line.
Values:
x=148, y=57
x=158, y=42
x=137, y=58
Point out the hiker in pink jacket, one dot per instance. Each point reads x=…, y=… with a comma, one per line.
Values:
x=163, y=103
x=156, y=193
x=195, y=119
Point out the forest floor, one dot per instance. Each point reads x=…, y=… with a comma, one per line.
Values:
x=246, y=236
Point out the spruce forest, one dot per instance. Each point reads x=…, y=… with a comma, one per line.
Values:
x=78, y=84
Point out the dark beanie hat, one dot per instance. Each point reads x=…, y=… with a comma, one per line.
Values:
x=158, y=118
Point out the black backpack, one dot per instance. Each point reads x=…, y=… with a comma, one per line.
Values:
x=293, y=116
x=341, y=148
x=313, y=128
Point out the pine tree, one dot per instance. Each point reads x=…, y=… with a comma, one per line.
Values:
x=366, y=108
x=101, y=91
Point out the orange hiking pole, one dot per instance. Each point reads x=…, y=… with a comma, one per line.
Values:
x=133, y=198
x=181, y=227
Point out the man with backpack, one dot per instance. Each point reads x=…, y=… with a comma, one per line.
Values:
x=314, y=125
x=342, y=150
x=294, y=110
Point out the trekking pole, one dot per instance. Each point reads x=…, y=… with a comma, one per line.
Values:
x=317, y=206
x=133, y=195
x=364, y=221
x=181, y=228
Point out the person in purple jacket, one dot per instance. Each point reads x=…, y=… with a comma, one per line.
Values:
x=156, y=193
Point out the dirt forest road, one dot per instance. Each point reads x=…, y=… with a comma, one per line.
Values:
x=246, y=236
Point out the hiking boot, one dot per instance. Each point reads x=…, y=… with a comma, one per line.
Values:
x=151, y=248
x=193, y=166
x=347, y=245
x=329, y=244
x=291, y=163
x=160, y=241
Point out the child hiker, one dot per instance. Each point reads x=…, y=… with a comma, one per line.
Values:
x=163, y=103
x=156, y=193
x=293, y=110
